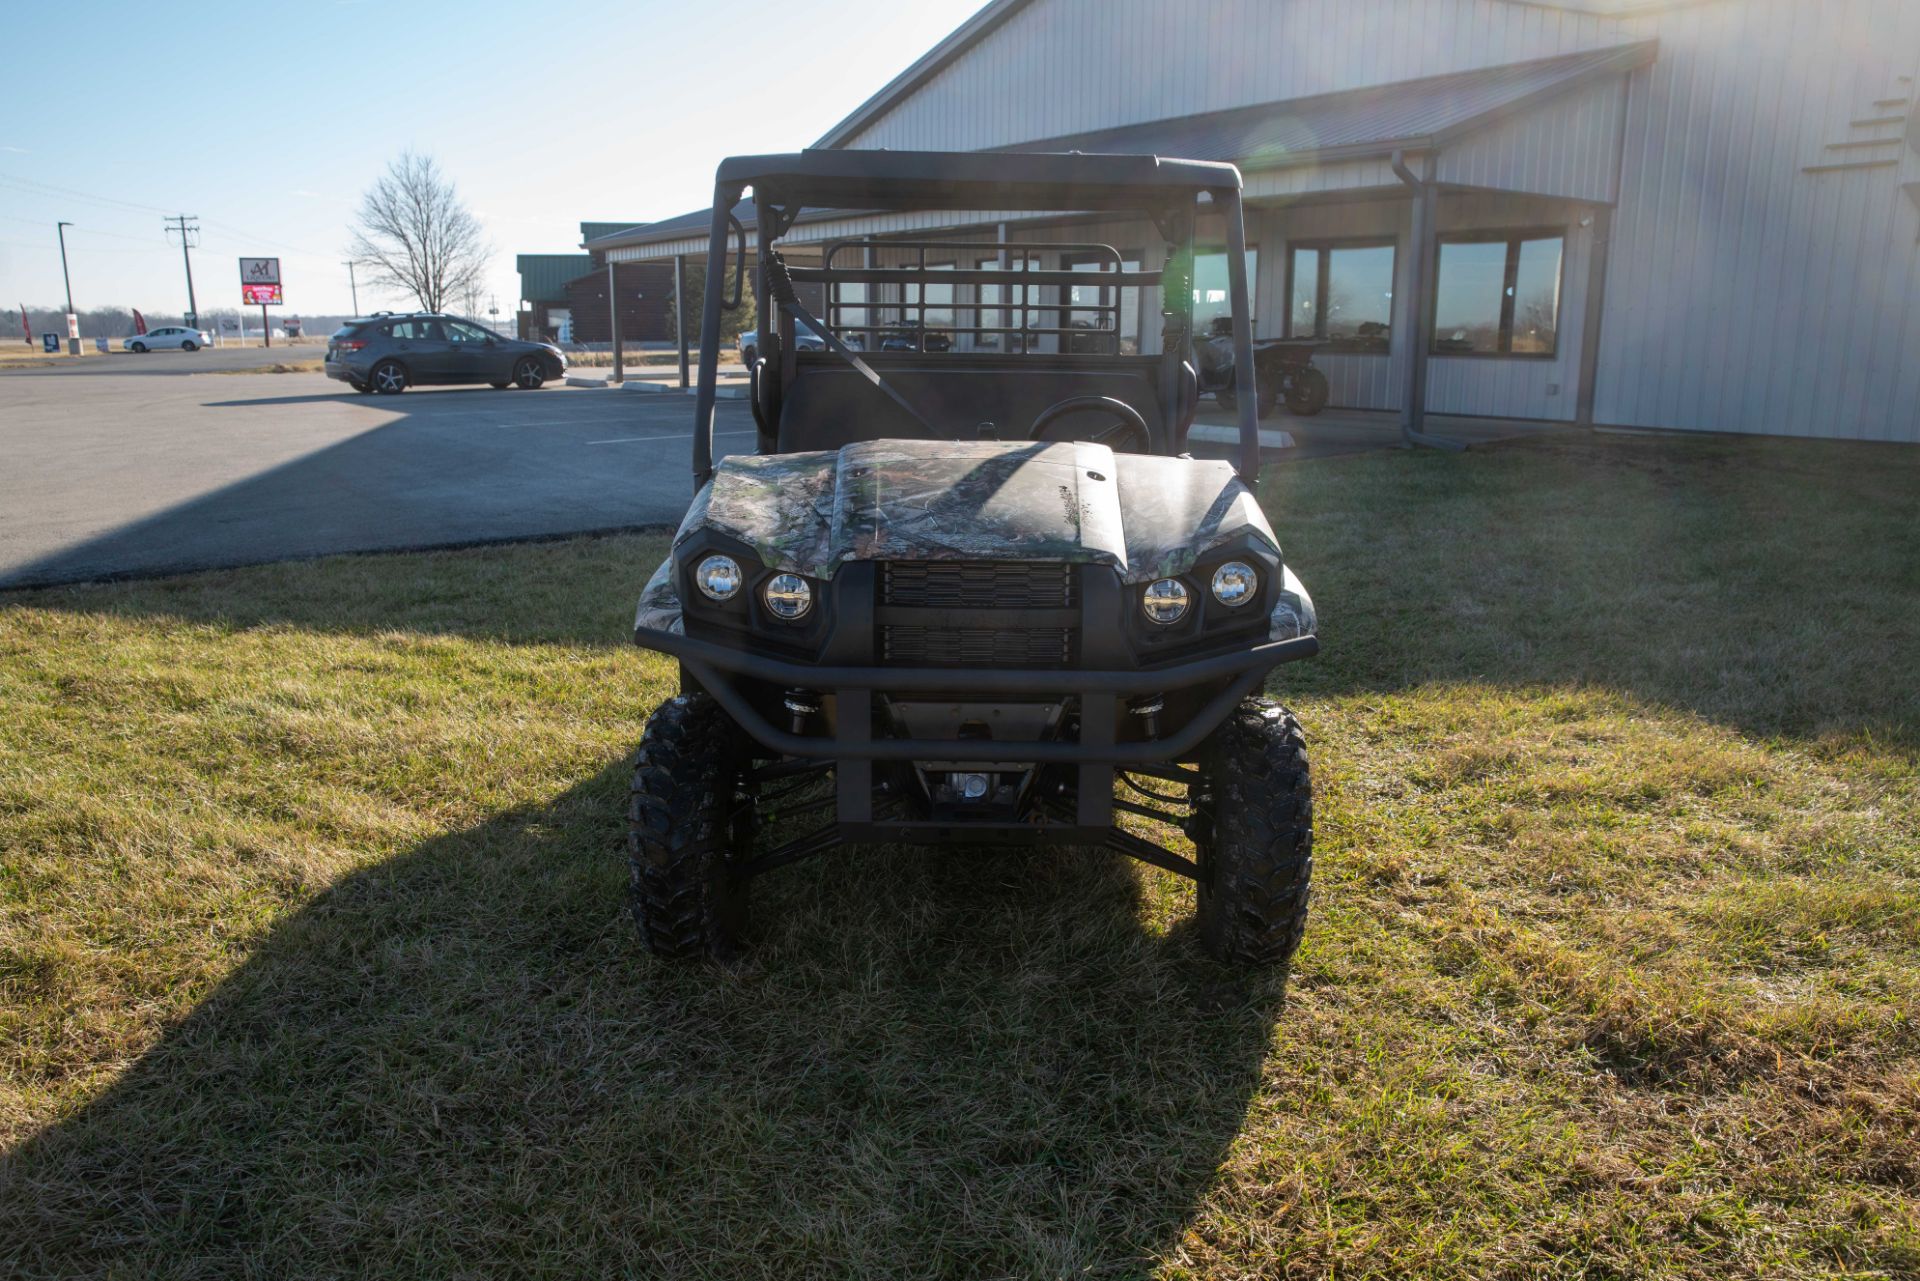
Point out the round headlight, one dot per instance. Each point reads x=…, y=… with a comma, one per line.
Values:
x=1165, y=600
x=788, y=596
x=1235, y=583
x=718, y=577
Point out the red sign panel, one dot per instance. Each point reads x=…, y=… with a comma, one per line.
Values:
x=260, y=295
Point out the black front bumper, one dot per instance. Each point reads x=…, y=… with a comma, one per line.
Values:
x=710, y=664
x=1094, y=755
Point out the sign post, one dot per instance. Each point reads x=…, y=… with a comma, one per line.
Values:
x=260, y=286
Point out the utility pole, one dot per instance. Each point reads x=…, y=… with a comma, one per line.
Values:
x=73, y=342
x=352, y=286
x=179, y=223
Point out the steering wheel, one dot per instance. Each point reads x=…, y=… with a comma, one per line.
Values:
x=1131, y=427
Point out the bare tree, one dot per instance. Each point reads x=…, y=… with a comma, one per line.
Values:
x=416, y=235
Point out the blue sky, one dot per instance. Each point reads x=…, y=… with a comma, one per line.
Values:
x=268, y=120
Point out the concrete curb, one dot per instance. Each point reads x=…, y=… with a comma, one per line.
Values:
x=1269, y=438
x=582, y=380
x=737, y=391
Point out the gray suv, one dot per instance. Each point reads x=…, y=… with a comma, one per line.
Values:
x=389, y=353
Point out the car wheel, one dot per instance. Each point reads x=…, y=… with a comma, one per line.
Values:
x=189, y=345
x=389, y=378
x=690, y=822
x=529, y=374
x=140, y=347
x=1253, y=832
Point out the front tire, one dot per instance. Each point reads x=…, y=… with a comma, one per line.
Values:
x=141, y=348
x=689, y=824
x=1253, y=831
x=529, y=374
x=389, y=378
x=1307, y=394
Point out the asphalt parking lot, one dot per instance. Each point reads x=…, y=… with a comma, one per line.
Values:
x=124, y=466
x=150, y=464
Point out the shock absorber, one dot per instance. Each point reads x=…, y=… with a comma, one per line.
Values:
x=800, y=704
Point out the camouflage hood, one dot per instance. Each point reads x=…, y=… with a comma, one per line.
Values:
x=977, y=500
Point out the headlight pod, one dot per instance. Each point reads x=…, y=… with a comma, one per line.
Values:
x=1235, y=583
x=788, y=596
x=1166, y=601
x=718, y=577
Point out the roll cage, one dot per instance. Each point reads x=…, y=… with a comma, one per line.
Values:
x=960, y=399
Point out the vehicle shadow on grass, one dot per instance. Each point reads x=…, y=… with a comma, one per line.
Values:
x=460, y=1060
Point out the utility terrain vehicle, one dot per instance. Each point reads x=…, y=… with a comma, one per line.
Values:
x=961, y=587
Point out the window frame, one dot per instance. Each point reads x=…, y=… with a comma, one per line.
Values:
x=1321, y=245
x=1513, y=237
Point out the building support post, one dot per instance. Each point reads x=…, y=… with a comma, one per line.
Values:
x=680, y=313
x=724, y=198
x=1597, y=250
x=1239, y=301
x=1423, y=261
x=613, y=323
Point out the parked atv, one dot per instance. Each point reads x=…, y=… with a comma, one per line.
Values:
x=954, y=598
x=1284, y=365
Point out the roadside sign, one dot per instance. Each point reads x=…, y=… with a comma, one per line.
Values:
x=73, y=325
x=260, y=282
x=50, y=342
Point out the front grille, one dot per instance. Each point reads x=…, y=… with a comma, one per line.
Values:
x=942, y=613
x=911, y=645
x=978, y=584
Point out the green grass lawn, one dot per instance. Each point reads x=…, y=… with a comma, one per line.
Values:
x=313, y=958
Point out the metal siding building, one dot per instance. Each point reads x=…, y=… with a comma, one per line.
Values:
x=1729, y=189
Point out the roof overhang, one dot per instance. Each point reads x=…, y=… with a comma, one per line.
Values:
x=913, y=180
x=1302, y=148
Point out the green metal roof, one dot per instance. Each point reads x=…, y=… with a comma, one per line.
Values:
x=544, y=277
x=595, y=230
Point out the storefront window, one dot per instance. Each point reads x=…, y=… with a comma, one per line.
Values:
x=1089, y=295
x=993, y=311
x=1210, y=286
x=1498, y=294
x=851, y=313
x=1342, y=293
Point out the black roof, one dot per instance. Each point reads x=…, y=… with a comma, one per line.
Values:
x=972, y=180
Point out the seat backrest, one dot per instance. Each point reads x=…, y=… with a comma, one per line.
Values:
x=829, y=403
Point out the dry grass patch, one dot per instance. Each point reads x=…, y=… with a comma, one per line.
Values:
x=312, y=959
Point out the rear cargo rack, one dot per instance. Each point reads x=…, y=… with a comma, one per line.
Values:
x=905, y=306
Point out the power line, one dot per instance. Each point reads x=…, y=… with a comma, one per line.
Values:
x=92, y=249
x=36, y=187
x=91, y=231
